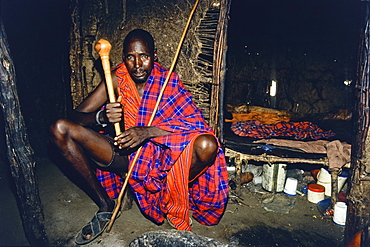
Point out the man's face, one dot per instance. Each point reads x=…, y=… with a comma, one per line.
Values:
x=138, y=60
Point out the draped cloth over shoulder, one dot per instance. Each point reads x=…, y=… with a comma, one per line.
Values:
x=160, y=176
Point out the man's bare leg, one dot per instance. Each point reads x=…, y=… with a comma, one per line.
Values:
x=76, y=143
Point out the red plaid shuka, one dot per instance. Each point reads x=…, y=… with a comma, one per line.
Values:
x=160, y=176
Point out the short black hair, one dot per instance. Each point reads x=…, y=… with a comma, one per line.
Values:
x=139, y=34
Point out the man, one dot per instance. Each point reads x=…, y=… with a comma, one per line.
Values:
x=181, y=165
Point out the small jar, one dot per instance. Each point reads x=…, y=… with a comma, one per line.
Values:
x=315, y=193
x=340, y=213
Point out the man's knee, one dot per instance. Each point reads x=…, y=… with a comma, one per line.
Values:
x=206, y=147
x=60, y=128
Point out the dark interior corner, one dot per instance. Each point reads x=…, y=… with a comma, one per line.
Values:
x=309, y=48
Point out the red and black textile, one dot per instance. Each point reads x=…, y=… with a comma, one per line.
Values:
x=297, y=130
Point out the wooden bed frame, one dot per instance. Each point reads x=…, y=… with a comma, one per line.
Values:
x=240, y=157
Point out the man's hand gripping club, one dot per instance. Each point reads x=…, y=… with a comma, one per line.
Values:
x=134, y=136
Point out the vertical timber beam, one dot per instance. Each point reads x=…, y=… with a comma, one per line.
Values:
x=219, y=68
x=19, y=152
x=358, y=199
x=238, y=173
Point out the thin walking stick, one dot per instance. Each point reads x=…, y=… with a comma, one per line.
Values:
x=103, y=47
x=121, y=194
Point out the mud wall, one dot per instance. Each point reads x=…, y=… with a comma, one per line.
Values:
x=307, y=83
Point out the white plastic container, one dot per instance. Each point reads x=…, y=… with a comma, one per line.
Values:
x=257, y=180
x=273, y=177
x=291, y=186
x=315, y=193
x=340, y=213
x=231, y=170
x=324, y=178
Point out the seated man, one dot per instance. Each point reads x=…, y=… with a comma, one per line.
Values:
x=181, y=165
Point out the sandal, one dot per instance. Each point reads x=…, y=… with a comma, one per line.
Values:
x=93, y=229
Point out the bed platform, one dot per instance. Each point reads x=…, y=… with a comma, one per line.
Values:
x=243, y=150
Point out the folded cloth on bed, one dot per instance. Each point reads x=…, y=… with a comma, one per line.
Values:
x=298, y=130
x=263, y=117
x=338, y=153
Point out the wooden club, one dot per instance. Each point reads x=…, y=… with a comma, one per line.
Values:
x=103, y=48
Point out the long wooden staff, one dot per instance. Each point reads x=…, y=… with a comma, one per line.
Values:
x=121, y=194
x=103, y=48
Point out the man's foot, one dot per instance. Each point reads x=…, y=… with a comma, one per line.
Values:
x=94, y=228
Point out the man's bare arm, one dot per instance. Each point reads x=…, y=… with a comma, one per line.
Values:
x=85, y=113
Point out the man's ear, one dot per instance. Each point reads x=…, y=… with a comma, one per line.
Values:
x=155, y=55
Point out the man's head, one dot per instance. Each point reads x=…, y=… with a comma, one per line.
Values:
x=139, y=54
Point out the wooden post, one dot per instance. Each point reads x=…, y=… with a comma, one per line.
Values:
x=20, y=153
x=358, y=200
x=334, y=187
x=219, y=71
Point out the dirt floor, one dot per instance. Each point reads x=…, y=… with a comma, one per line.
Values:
x=246, y=221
